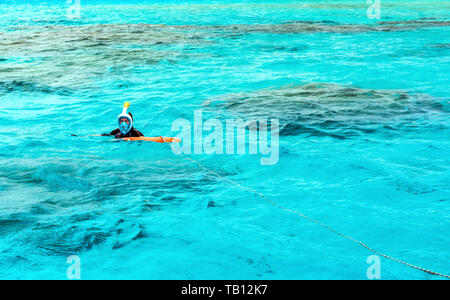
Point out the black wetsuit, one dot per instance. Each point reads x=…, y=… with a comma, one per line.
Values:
x=119, y=135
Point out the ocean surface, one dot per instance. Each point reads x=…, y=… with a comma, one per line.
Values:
x=364, y=110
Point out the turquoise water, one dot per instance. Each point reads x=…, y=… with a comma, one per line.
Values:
x=364, y=110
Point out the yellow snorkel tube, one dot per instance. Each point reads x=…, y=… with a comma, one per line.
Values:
x=126, y=105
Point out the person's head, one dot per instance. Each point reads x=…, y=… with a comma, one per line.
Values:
x=125, y=123
x=125, y=119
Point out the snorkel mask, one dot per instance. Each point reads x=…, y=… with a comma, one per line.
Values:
x=124, y=119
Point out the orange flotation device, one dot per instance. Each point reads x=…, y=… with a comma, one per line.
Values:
x=159, y=139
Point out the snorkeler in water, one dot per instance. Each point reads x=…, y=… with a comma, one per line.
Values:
x=127, y=132
x=126, y=129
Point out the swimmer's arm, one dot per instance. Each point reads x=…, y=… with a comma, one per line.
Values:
x=139, y=134
x=112, y=133
x=89, y=135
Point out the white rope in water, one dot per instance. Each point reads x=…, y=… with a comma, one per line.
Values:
x=313, y=220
